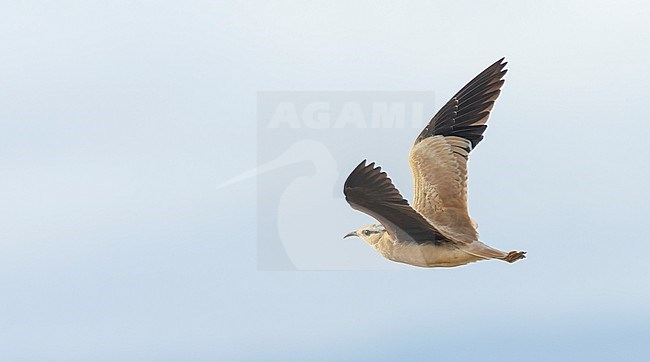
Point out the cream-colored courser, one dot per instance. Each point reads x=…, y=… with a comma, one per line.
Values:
x=437, y=231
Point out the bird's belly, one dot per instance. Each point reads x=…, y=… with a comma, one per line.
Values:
x=429, y=255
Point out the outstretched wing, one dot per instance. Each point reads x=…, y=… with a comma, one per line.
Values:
x=439, y=156
x=369, y=190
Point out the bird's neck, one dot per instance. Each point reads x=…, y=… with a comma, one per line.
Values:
x=382, y=243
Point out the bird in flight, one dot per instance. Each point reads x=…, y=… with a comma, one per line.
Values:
x=437, y=231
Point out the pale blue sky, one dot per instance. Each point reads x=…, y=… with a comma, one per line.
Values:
x=119, y=119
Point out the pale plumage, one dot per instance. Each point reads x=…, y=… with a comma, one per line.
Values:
x=437, y=230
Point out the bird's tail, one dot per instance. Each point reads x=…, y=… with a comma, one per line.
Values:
x=479, y=249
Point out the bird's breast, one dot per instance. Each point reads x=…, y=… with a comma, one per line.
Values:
x=425, y=255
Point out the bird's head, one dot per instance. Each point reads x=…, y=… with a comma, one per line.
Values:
x=369, y=233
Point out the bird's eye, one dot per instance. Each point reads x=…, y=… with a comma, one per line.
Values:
x=366, y=233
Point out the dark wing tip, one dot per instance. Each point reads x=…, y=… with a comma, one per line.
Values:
x=466, y=113
x=368, y=181
x=361, y=165
x=499, y=63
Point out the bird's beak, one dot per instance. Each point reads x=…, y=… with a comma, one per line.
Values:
x=351, y=233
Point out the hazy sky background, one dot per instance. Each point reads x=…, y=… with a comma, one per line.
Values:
x=119, y=119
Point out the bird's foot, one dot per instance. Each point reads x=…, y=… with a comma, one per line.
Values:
x=513, y=256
